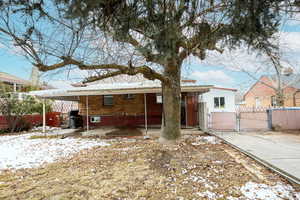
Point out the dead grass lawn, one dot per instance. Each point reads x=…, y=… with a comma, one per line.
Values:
x=138, y=169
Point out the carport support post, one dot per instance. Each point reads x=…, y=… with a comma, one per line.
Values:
x=185, y=110
x=145, y=102
x=44, y=116
x=87, y=113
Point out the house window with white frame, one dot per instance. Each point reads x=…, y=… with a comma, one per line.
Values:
x=219, y=102
x=108, y=100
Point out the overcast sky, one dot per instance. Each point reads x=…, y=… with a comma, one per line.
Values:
x=223, y=70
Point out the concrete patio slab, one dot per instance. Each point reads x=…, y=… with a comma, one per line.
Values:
x=280, y=150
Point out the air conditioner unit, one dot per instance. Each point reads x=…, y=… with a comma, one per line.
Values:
x=95, y=119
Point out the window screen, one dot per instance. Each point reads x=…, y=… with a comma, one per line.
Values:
x=219, y=102
x=216, y=102
x=108, y=100
x=222, y=102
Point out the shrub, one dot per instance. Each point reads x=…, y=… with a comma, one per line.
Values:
x=14, y=111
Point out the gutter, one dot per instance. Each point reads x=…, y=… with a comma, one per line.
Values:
x=291, y=179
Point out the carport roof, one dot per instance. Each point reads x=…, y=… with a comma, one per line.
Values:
x=73, y=94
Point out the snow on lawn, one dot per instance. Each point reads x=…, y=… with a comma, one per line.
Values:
x=21, y=152
x=256, y=191
x=206, y=140
x=262, y=191
x=47, y=128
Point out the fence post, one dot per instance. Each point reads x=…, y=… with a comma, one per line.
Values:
x=238, y=117
x=269, y=114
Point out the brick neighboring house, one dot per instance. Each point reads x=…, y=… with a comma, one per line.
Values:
x=15, y=83
x=260, y=95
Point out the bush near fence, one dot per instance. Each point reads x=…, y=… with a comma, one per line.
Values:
x=52, y=119
x=32, y=120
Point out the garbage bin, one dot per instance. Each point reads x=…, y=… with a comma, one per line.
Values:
x=75, y=120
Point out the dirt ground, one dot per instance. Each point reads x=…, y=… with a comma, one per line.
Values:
x=138, y=168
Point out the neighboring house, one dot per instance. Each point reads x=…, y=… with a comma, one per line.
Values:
x=261, y=95
x=14, y=83
x=127, y=104
x=219, y=99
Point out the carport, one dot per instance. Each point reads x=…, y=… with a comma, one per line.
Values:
x=86, y=96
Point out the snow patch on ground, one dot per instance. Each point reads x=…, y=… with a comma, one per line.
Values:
x=19, y=151
x=279, y=191
x=47, y=128
x=206, y=140
x=256, y=191
x=52, y=131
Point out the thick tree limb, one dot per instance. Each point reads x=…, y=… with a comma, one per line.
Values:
x=122, y=69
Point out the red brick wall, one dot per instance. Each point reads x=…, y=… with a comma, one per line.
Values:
x=154, y=114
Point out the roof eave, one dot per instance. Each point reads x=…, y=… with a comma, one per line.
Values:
x=94, y=92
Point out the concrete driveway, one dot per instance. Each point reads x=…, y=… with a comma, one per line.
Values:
x=278, y=149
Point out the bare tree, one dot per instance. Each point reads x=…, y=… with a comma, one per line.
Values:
x=275, y=65
x=162, y=34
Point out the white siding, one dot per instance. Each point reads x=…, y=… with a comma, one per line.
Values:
x=209, y=99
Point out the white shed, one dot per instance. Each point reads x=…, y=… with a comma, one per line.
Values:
x=219, y=99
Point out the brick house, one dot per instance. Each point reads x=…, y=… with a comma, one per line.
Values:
x=127, y=104
x=261, y=95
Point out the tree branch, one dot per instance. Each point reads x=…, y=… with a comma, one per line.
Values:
x=150, y=57
x=205, y=39
x=122, y=69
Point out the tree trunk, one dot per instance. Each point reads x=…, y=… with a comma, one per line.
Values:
x=279, y=98
x=171, y=92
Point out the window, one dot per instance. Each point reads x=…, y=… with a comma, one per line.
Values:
x=219, y=102
x=257, y=102
x=273, y=101
x=108, y=100
x=128, y=96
